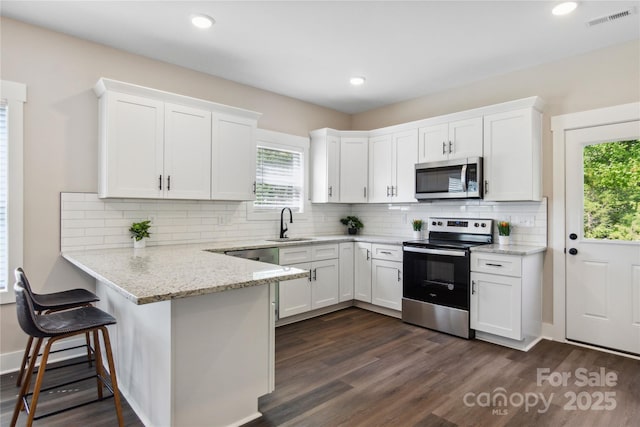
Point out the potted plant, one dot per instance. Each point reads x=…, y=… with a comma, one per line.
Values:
x=353, y=224
x=139, y=231
x=504, y=231
x=417, y=228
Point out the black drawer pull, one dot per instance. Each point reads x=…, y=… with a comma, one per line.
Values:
x=494, y=265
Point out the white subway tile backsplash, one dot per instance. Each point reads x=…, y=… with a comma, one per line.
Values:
x=88, y=222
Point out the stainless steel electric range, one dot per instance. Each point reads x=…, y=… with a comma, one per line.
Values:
x=436, y=292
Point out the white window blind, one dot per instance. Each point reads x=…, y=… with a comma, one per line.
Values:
x=4, y=192
x=279, y=179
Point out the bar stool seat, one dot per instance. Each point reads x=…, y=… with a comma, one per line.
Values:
x=56, y=301
x=55, y=326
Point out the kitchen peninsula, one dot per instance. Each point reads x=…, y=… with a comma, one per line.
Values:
x=194, y=343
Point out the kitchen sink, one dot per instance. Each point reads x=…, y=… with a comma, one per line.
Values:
x=291, y=239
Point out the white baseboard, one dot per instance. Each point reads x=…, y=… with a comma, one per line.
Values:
x=10, y=362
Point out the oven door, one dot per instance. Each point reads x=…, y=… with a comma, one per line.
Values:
x=438, y=276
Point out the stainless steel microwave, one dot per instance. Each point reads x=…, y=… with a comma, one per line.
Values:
x=449, y=179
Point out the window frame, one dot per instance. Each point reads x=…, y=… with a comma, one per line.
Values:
x=15, y=95
x=282, y=141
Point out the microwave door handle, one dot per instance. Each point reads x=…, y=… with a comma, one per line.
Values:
x=463, y=178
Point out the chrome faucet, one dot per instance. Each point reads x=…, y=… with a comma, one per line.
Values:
x=283, y=227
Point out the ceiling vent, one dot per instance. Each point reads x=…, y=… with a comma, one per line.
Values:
x=612, y=17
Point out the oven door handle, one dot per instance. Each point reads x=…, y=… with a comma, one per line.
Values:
x=435, y=251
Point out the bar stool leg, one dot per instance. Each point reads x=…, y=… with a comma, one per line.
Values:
x=112, y=371
x=27, y=382
x=88, y=347
x=36, y=389
x=25, y=359
x=99, y=366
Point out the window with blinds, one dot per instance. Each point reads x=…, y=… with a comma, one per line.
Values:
x=279, y=179
x=4, y=192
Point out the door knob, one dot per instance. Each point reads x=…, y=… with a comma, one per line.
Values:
x=573, y=251
x=573, y=236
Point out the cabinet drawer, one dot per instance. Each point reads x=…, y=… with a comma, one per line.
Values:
x=322, y=252
x=505, y=265
x=295, y=254
x=386, y=252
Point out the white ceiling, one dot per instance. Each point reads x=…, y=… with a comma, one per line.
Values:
x=308, y=50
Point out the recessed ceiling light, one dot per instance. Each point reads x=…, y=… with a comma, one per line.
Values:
x=202, y=21
x=564, y=8
x=357, y=80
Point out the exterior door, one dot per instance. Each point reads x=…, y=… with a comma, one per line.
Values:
x=603, y=236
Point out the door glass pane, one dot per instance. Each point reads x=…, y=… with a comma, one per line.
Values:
x=612, y=190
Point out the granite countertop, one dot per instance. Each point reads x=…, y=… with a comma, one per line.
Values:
x=160, y=273
x=509, y=249
x=234, y=245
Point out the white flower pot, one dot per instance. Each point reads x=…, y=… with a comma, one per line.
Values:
x=417, y=235
x=139, y=244
x=503, y=240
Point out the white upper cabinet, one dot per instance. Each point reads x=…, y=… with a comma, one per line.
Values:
x=233, y=158
x=452, y=140
x=380, y=170
x=354, y=166
x=391, y=167
x=513, y=155
x=325, y=166
x=131, y=146
x=187, y=152
x=405, y=157
x=156, y=144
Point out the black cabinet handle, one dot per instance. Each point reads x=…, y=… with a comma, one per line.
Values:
x=160, y=183
x=169, y=183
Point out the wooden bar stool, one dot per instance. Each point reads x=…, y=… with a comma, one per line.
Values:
x=54, y=327
x=48, y=303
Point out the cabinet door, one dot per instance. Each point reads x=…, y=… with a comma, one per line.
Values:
x=512, y=156
x=465, y=138
x=405, y=156
x=295, y=295
x=380, y=170
x=496, y=305
x=325, y=287
x=434, y=143
x=132, y=146
x=187, y=152
x=354, y=158
x=333, y=168
x=386, y=284
x=233, y=151
x=346, y=271
x=362, y=272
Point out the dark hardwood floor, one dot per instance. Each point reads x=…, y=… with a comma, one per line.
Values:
x=100, y=414
x=357, y=368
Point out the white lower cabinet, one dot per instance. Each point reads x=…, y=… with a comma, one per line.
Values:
x=506, y=298
x=320, y=289
x=378, y=274
x=295, y=295
x=386, y=284
x=362, y=272
x=346, y=271
x=495, y=304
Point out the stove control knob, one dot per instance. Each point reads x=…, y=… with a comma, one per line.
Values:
x=484, y=224
x=439, y=222
x=433, y=223
x=476, y=225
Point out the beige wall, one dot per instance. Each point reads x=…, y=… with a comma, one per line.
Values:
x=598, y=79
x=60, y=146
